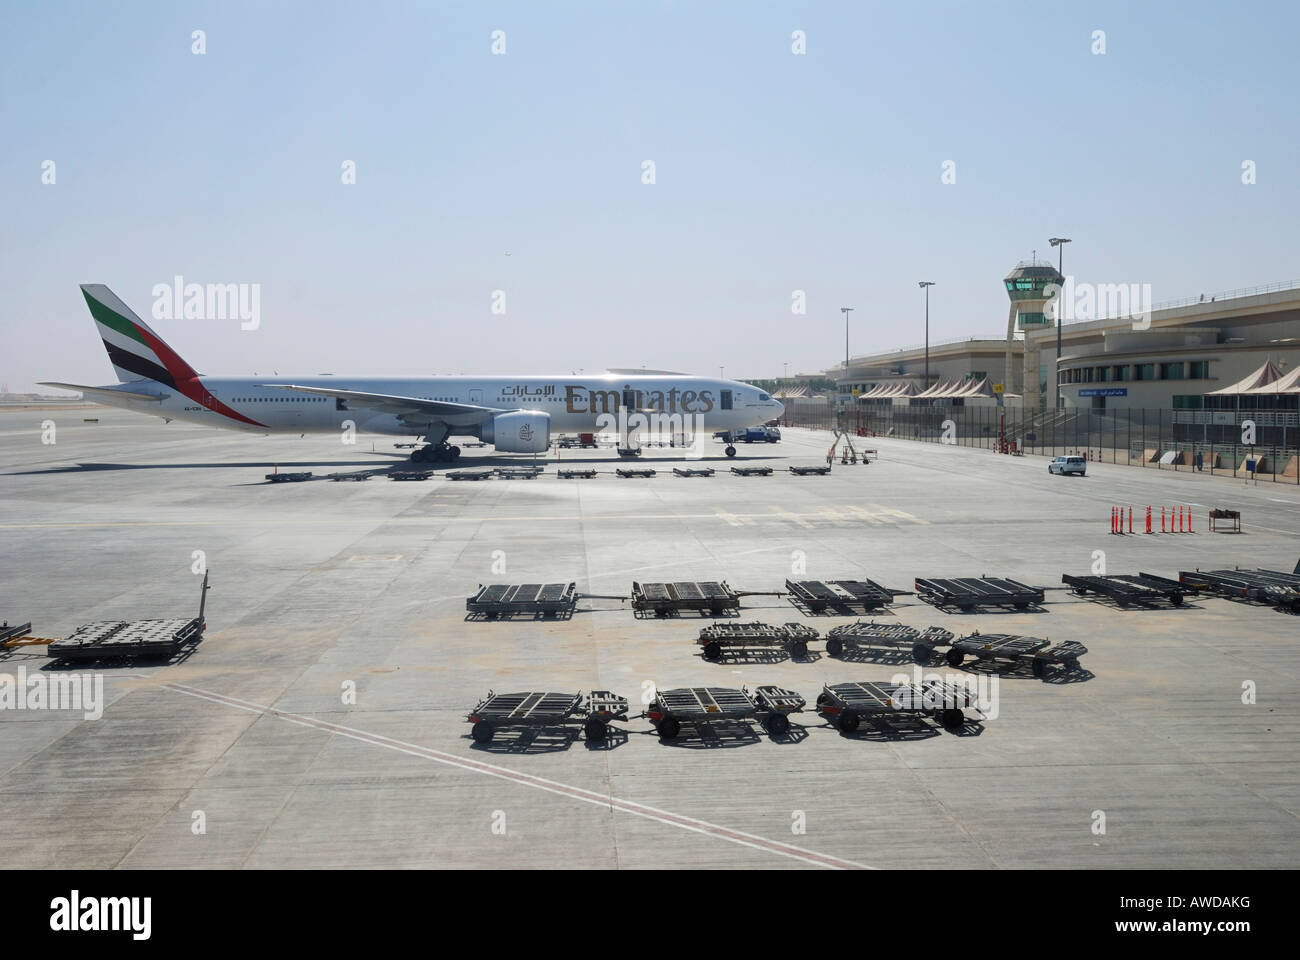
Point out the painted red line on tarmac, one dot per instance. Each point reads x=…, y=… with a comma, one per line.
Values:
x=552, y=786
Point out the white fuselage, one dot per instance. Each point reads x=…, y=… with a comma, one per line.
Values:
x=575, y=404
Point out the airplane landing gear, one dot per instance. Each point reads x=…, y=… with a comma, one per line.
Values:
x=730, y=451
x=436, y=453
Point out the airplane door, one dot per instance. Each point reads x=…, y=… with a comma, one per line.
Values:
x=476, y=395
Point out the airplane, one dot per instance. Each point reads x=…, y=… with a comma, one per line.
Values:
x=513, y=414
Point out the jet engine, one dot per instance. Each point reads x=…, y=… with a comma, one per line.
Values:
x=520, y=431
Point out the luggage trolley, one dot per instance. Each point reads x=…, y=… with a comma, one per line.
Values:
x=1005, y=646
x=1265, y=586
x=770, y=705
x=845, y=704
x=967, y=593
x=594, y=711
x=792, y=638
x=1124, y=589
x=816, y=596
x=852, y=636
x=129, y=640
x=512, y=599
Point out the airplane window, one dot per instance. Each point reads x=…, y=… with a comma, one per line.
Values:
x=763, y=398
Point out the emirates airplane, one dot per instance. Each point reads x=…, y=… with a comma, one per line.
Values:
x=513, y=414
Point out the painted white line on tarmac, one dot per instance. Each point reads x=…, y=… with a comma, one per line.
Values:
x=539, y=783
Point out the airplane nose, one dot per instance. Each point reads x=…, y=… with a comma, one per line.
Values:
x=780, y=409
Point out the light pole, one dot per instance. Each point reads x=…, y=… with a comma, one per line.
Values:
x=846, y=311
x=1059, y=243
x=926, y=285
x=720, y=376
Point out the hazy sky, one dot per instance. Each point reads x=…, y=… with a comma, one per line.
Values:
x=774, y=172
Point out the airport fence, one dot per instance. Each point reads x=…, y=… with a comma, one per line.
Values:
x=1208, y=441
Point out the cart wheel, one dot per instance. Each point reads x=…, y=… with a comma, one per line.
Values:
x=1176, y=599
x=799, y=649
x=965, y=607
x=952, y=717
x=921, y=653
x=777, y=724
x=712, y=650
x=834, y=646
x=669, y=728
x=595, y=728
x=848, y=721
x=822, y=698
x=1039, y=668
x=1081, y=591
x=482, y=731
x=1071, y=665
x=1295, y=605
x=954, y=657
x=1022, y=605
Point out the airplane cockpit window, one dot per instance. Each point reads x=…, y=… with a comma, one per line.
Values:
x=763, y=398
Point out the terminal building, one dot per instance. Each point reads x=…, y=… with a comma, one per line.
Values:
x=1224, y=352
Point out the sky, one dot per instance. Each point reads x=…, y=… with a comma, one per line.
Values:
x=524, y=172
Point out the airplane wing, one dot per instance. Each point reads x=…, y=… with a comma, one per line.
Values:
x=413, y=410
x=94, y=393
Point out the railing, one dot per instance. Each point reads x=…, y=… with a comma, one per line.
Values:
x=1138, y=437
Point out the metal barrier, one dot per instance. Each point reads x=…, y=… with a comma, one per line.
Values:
x=1205, y=441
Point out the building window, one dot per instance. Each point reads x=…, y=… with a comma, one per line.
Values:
x=1198, y=370
x=1144, y=371
x=1121, y=373
x=1171, y=371
x=1187, y=402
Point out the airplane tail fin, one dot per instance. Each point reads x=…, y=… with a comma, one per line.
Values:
x=136, y=352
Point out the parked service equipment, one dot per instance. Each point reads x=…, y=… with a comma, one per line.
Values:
x=850, y=637
x=1126, y=589
x=628, y=472
x=791, y=637
x=538, y=709
x=8, y=632
x=818, y=595
x=465, y=474
x=512, y=599
x=1264, y=586
x=706, y=596
x=967, y=593
x=752, y=471
x=1035, y=651
x=575, y=474
x=845, y=704
x=770, y=705
x=132, y=639
x=810, y=471
x=692, y=471
x=278, y=477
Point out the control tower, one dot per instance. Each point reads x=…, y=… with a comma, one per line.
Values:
x=1027, y=287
